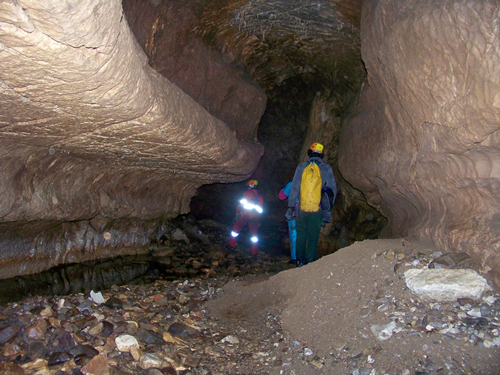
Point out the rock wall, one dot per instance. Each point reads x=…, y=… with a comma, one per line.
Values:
x=165, y=32
x=423, y=140
x=89, y=130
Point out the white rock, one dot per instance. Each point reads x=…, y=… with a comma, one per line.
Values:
x=97, y=297
x=150, y=360
x=475, y=312
x=487, y=344
x=490, y=300
x=125, y=342
x=445, y=284
x=383, y=331
x=231, y=340
x=450, y=331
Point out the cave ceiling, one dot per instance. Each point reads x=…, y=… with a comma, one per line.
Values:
x=87, y=95
x=317, y=40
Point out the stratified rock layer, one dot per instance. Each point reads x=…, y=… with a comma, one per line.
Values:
x=424, y=143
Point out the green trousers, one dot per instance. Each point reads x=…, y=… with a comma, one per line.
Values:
x=308, y=228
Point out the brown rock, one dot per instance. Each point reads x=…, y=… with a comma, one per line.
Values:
x=98, y=365
x=10, y=350
x=192, y=360
x=182, y=330
x=8, y=333
x=96, y=329
x=9, y=368
x=36, y=330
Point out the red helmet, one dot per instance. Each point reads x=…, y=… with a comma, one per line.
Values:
x=252, y=183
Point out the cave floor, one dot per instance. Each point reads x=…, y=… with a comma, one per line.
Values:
x=238, y=316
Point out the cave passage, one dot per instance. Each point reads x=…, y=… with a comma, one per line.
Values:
x=282, y=131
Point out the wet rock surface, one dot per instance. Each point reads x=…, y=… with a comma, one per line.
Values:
x=153, y=325
x=181, y=248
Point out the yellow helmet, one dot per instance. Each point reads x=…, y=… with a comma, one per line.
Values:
x=317, y=147
x=252, y=183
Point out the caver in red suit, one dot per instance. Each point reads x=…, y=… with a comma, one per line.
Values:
x=248, y=213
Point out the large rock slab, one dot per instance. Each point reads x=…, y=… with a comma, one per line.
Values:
x=445, y=285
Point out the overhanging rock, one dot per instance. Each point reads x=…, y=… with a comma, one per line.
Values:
x=91, y=134
x=87, y=127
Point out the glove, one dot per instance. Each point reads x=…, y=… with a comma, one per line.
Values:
x=289, y=213
x=327, y=216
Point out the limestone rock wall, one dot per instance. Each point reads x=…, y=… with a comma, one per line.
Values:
x=165, y=32
x=89, y=130
x=423, y=142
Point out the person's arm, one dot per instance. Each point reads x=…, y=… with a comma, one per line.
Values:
x=329, y=179
x=295, y=188
x=285, y=192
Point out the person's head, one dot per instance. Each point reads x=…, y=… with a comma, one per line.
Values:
x=252, y=184
x=316, y=150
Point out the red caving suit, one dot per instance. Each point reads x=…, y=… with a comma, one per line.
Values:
x=248, y=217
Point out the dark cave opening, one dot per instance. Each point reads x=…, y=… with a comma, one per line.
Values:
x=281, y=130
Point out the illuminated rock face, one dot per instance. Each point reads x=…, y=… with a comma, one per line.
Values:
x=224, y=89
x=89, y=130
x=424, y=143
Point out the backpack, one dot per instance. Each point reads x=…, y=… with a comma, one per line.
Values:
x=310, y=188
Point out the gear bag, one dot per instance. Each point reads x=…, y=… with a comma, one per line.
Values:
x=310, y=188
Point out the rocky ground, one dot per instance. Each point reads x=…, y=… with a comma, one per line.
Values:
x=347, y=313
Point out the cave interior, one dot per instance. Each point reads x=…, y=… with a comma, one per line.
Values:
x=118, y=116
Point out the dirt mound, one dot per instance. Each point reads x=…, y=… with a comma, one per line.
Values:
x=329, y=309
